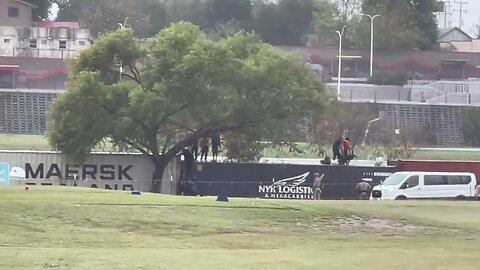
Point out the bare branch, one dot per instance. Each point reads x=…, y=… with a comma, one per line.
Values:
x=131, y=77
x=135, y=72
x=183, y=127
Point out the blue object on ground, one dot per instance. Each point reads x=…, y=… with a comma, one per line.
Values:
x=222, y=198
x=136, y=192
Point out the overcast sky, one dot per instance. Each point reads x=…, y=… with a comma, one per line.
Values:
x=470, y=19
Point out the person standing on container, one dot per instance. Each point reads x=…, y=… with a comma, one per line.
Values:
x=203, y=148
x=216, y=142
x=317, y=186
x=195, y=149
x=336, y=148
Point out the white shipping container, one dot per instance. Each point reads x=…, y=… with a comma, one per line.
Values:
x=102, y=170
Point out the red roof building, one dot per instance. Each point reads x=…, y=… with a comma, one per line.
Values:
x=53, y=24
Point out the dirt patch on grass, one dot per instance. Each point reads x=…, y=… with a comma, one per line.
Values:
x=355, y=223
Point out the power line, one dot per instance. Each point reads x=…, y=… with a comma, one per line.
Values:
x=447, y=10
x=461, y=10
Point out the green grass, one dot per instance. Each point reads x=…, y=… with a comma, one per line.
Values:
x=66, y=228
x=40, y=143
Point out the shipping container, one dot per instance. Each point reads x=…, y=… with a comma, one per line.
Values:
x=438, y=166
x=103, y=170
x=283, y=181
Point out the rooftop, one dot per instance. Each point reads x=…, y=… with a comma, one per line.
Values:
x=53, y=24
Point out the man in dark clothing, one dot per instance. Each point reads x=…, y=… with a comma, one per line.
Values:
x=188, y=164
x=363, y=189
x=203, y=143
x=336, y=148
x=215, y=146
x=195, y=149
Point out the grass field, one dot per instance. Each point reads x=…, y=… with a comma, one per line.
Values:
x=39, y=143
x=66, y=228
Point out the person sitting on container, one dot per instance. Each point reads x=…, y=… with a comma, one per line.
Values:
x=326, y=161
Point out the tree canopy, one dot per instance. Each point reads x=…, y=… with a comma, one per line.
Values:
x=146, y=17
x=184, y=86
x=403, y=24
x=43, y=9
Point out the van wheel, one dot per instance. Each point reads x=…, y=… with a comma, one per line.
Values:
x=461, y=198
x=401, y=198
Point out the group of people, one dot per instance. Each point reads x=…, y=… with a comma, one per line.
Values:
x=204, y=145
x=343, y=151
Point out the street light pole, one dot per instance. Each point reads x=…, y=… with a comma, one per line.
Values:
x=122, y=26
x=372, y=18
x=340, y=35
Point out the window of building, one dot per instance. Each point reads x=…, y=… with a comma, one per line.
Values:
x=63, y=44
x=44, y=42
x=6, y=40
x=81, y=42
x=13, y=12
x=33, y=43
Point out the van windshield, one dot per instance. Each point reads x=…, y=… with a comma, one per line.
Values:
x=394, y=179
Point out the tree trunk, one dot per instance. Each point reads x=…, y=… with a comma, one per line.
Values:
x=160, y=164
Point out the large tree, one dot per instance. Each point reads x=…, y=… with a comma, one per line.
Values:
x=43, y=9
x=425, y=22
x=285, y=23
x=146, y=17
x=222, y=11
x=403, y=24
x=184, y=87
x=326, y=20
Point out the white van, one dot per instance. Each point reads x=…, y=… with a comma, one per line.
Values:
x=426, y=185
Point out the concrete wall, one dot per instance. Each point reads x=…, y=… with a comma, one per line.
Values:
x=115, y=171
x=24, y=14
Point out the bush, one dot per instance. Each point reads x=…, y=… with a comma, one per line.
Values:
x=388, y=79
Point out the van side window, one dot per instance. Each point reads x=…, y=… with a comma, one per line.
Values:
x=458, y=179
x=435, y=180
x=411, y=182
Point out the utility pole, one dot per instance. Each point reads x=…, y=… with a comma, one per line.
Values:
x=447, y=12
x=461, y=11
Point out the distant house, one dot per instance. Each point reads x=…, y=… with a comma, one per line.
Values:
x=455, y=39
x=16, y=13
